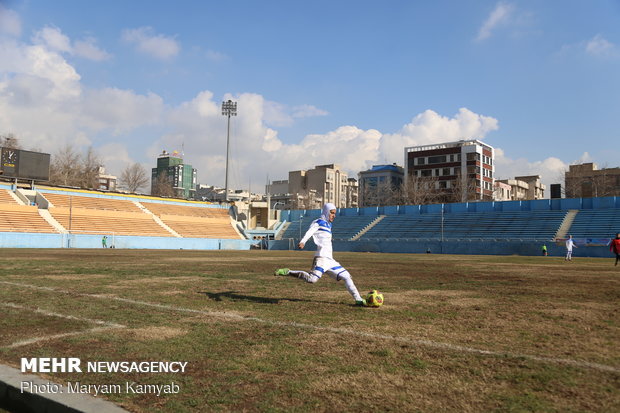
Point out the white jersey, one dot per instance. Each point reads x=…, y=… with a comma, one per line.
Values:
x=321, y=232
x=569, y=244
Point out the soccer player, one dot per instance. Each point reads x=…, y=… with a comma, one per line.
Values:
x=321, y=232
x=614, y=246
x=569, y=248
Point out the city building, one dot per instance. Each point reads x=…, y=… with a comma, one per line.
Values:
x=454, y=171
x=536, y=189
x=586, y=180
x=352, y=193
x=503, y=191
x=312, y=188
x=380, y=184
x=106, y=182
x=525, y=187
x=277, y=192
x=172, y=177
x=325, y=183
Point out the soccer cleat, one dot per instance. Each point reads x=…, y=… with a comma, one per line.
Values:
x=361, y=303
x=281, y=271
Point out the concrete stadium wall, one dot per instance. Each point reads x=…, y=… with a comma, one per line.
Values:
x=28, y=240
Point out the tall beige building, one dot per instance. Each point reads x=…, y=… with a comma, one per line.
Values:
x=325, y=183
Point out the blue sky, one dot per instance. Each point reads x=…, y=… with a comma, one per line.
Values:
x=347, y=82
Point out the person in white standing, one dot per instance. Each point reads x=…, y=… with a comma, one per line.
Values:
x=569, y=248
x=321, y=232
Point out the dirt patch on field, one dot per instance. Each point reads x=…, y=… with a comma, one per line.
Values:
x=156, y=333
x=157, y=280
x=79, y=277
x=469, y=302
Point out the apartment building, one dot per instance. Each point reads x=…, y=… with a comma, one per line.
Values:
x=457, y=171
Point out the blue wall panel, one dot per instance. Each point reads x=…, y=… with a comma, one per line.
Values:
x=412, y=210
x=511, y=206
x=570, y=203
x=604, y=202
x=484, y=206
x=540, y=205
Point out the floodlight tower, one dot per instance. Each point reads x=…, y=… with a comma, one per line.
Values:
x=229, y=108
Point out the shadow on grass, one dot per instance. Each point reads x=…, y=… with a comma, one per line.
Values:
x=262, y=300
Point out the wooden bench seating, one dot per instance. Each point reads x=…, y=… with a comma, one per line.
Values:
x=197, y=227
x=90, y=221
x=74, y=201
x=6, y=198
x=23, y=218
x=185, y=210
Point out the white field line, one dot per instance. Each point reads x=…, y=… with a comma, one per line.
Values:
x=104, y=325
x=343, y=331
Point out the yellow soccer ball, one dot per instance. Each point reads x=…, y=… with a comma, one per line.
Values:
x=374, y=299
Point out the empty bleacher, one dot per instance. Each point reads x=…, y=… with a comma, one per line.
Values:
x=509, y=225
x=185, y=210
x=92, y=221
x=596, y=223
x=22, y=218
x=6, y=198
x=194, y=221
x=198, y=227
x=87, y=202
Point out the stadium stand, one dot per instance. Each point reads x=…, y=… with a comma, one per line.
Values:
x=491, y=225
x=596, y=223
x=6, y=198
x=199, y=227
x=194, y=221
x=91, y=221
x=106, y=204
x=22, y=218
x=160, y=209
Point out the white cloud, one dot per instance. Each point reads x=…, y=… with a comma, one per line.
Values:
x=501, y=14
x=550, y=169
x=216, y=56
x=148, y=42
x=307, y=111
x=584, y=158
x=120, y=110
x=429, y=127
x=88, y=49
x=10, y=23
x=53, y=39
x=598, y=46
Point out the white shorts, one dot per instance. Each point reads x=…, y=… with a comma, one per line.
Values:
x=322, y=265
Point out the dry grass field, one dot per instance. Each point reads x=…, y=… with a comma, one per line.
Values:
x=457, y=333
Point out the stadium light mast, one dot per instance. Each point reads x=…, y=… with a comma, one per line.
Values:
x=229, y=108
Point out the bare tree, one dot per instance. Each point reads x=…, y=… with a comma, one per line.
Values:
x=65, y=166
x=90, y=164
x=134, y=177
x=462, y=190
x=419, y=190
x=162, y=186
x=9, y=141
x=70, y=168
